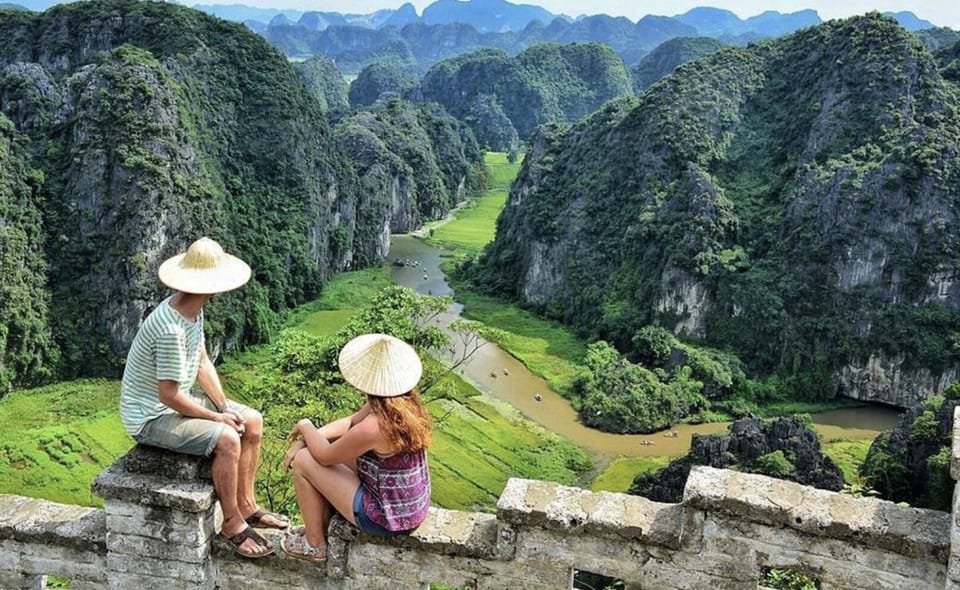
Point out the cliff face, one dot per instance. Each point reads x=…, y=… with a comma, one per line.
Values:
x=26, y=341
x=153, y=125
x=794, y=201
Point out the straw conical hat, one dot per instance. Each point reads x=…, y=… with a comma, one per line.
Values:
x=204, y=268
x=380, y=365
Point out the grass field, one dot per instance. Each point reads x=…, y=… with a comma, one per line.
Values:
x=55, y=440
x=475, y=225
x=848, y=455
x=618, y=476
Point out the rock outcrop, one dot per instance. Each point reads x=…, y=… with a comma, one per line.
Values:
x=752, y=445
x=762, y=200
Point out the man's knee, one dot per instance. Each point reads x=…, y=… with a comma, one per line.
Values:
x=253, y=422
x=229, y=443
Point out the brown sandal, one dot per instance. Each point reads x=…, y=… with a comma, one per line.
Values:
x=256, y=519
x=248, y=533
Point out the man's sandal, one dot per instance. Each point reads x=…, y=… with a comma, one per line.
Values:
x=256, y=519
x=237, y=540
x=296, y=545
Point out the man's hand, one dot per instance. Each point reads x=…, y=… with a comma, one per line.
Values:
x=233, y=420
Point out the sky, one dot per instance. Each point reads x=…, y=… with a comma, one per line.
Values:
x=939, y=12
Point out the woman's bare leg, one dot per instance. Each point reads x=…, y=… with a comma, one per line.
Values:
x=320, y=488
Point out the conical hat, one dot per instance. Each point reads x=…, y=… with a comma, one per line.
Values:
x=204, y=268
x=380, y=365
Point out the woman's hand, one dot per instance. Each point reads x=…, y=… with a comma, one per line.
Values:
x=292, y=453
x=298, y=429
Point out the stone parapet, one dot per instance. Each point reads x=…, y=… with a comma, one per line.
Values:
x=867, y=522
x=158, y=529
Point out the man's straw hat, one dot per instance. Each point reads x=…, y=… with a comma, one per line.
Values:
x=204, y=268
x=380, y=365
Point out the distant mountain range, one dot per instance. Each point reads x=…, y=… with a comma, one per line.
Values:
x=501, y=16
x=448, y=28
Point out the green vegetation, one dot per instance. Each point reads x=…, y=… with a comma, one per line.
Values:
x=849, y=456
x=381, y=80
x=55, y=440
x=184, y=125
x=619, y=475
x=911, y=463
x=668, y=56
x=754, y=205
x=502, y=97
x=324, y=82
x=787, y=579
x=475, y=448
x=27, y=351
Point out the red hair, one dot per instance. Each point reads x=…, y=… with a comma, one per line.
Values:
x=404, y=421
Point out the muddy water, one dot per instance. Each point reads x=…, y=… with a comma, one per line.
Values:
x=503, y=377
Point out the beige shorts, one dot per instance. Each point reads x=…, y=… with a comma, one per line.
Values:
x=192, y=436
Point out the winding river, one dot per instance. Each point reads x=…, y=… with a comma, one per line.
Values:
x=501, y=376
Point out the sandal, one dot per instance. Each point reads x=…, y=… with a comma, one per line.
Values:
x=237, y=540
x=296, y=545
x=256, y=519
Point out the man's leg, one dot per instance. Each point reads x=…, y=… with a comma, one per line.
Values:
x=225, y=472
x=247, y=467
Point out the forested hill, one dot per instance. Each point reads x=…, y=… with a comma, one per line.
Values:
x=140, y=126
x=505, y=97
x=794, y=202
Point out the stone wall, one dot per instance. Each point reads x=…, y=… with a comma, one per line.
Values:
x=157, y=530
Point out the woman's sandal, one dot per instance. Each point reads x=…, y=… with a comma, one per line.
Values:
x=256, y=519
x=237, y=540
x=296, y=545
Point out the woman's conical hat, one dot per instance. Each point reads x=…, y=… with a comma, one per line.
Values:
x=380, y=365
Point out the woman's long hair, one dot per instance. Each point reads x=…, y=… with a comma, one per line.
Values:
x=404, y=421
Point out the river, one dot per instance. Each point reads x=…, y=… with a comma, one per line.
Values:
x=501, y=376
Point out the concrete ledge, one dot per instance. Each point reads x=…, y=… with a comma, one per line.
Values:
x=34, y=521
x=913, y=532
x=526, y=502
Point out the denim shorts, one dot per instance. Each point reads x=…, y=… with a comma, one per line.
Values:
x=363, y=521
x=191, y=436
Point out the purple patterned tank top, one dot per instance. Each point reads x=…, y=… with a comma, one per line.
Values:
x=398, y=486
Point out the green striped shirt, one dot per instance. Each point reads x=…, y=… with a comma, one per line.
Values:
x=167, y=346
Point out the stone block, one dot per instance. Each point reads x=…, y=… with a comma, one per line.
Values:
x=914, y=532
x=9, y=555
x=186, y=574
x=48, y=560
x=147, y=460
x=115, y=483
x=573, y=510
x=33, y=520
x=164, y=524
x=136, y=546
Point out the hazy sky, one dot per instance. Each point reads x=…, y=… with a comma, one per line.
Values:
x=939, y=12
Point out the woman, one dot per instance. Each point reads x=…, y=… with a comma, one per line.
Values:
x=370, y=467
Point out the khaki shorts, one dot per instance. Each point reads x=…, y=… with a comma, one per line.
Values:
x=192, y=436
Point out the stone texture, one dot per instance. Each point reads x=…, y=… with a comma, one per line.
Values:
x=729, y=527
x=869, y=522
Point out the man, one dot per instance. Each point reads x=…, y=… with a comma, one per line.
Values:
x=167, y=357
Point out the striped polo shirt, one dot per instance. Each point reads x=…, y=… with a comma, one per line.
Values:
x=167, y=346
